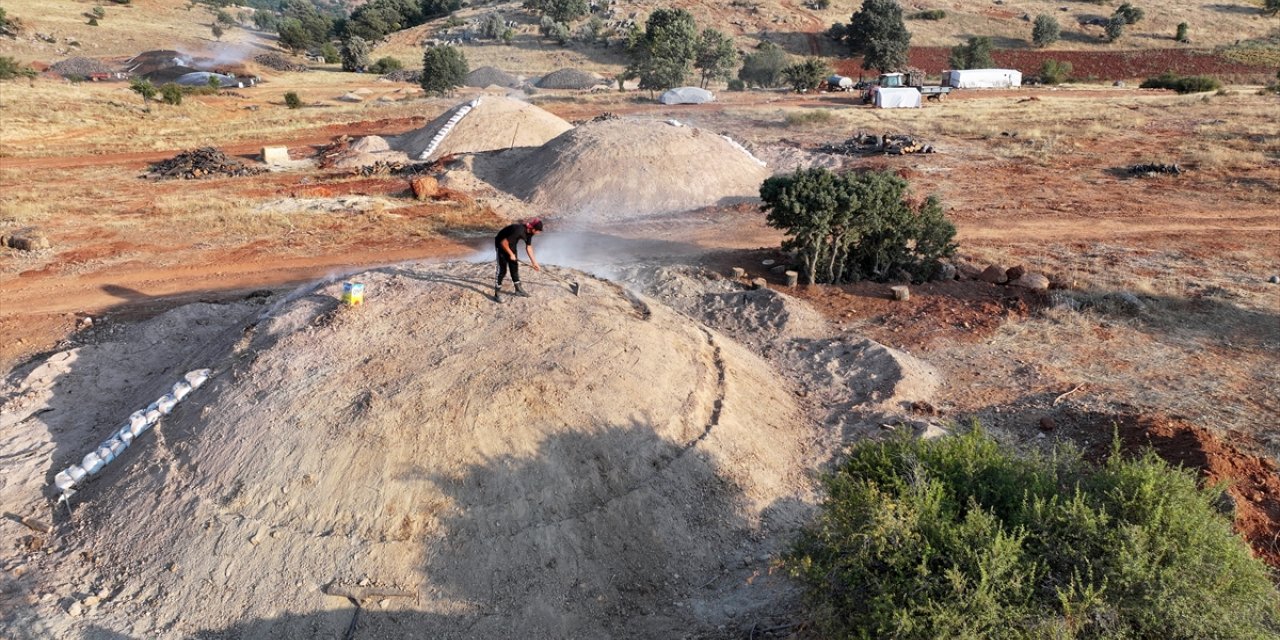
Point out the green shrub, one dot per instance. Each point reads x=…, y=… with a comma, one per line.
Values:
x=386, y=65
x=1130, y=13
x=171, y=93
x=931, y=14
x=10, y=69
x=961, y=537
x=1046, y=31
x=98, y=12
x=1115, y=28
x=1182, y=84
x=1181, y=35
x=1055, y=72
x=93, y=22
x=292, y=100
x=144, y=88
x=330, y=53
x=737, y=85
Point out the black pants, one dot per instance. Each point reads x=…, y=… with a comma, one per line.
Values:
x=504, y=263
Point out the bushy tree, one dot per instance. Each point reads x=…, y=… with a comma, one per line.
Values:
x=1271, y=7
x=1181, y=34
x=1115, y=28
x=877, y=33
x=662, y=55
x=1055, y=72
x=144, y=88
x=302, y=26
x=292, y=100
x=807, y=74
x=975, y=54
x=492, y=26
x=593, y=30
x=559, y=10
x=355, y=53
x=223, y=18
x=856, y=225
x=217, y=31
x=763, y=67
x=964, y=537
x=1130, y=13
x=1046, y=31
x=716, y=56
x=443, y=70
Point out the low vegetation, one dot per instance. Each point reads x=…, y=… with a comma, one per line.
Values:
x=1046, y=31
x=808, y=117
x=846, y=227
x=443, y=70
x=962, y=537
x=1182, y=84
x=763, y=67
x=975, y=54
x=1054, y=71
x=292, y=100
x=931, y=14
x=10, y=69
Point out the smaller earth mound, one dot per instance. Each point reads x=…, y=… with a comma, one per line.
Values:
x=80, y=67
x=627, y=168
x=488, y=123
x=278, y=62
x=488, y=76
x=570, y=79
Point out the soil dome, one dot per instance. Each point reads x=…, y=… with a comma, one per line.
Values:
x=487, y=123
x=557, y=466
x=624, y=168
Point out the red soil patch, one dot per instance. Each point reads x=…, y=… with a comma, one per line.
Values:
x=1253, y=481
x=1102, y=65
x=366, y=187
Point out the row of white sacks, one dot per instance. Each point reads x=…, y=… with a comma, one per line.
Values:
x=139, y=421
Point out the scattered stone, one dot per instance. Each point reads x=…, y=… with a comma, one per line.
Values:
x=1013, y=273
x=932, y=431
x=1274, y=279
x=1126, y=302
x=1047, y=424
x=1118, y=83
x=965, y=271
x=737, y=272
x=946, y=271
x=91, y=601
x=1033, y=281
x=759, y=283
x=900, y=292
x=1151, y=168
x=350, y=97
x=75, y=609
x=995, y=274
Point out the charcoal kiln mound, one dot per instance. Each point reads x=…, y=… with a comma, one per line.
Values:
x=626, y=168
x=552, y=466
x=487, y=123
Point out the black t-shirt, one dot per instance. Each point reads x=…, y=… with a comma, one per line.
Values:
x=513, y=233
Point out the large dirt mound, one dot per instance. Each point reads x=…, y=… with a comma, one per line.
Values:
x=555, y=466
x=570, y=79
x=487, y=123
x=625, y=168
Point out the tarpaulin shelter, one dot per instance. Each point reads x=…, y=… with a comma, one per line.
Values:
x=898, y=98
x=686, y=95
x=982, y=78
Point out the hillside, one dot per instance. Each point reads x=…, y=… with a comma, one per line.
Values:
x=55, y=31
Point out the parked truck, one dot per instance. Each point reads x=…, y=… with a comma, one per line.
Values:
x=903, y=80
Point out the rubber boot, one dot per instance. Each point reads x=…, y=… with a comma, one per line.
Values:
x=520, y=291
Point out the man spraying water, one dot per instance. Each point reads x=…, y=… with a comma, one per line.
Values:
x=506, y=243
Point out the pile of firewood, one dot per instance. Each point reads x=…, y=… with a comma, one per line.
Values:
x=206, y=162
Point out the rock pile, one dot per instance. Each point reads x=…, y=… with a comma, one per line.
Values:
x=279, y=62
x=80, y=67
x=1149, y=168
x=569, y=79
x=864, y=144
x=206, y=162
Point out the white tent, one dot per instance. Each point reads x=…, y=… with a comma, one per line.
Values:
x=982, y=78
x=898, y=98
x=686, y=95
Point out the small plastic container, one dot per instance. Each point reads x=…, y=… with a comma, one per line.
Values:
x=353, y=293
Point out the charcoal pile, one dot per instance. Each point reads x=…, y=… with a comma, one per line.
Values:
x=329, y=154
x=488, y=76
x=413, y=76
x=206, y=162
x=392, y=168
x=570, y=79
x=80, y=67
x=1149, y=168
x=278, y=62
